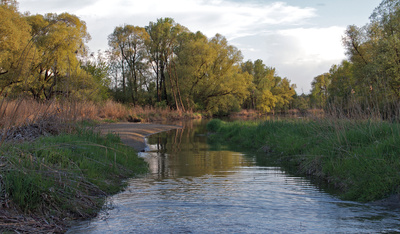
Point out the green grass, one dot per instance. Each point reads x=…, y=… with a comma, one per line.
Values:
x=360, y=158
x=67, y=176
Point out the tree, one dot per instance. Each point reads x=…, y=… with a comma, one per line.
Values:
x=128, y=45
x=160, y=47
x=301, y=102
x=99, y=70
x=14, y=45
x=374, y=51
x=224, y=85
x=342, y=86
x=284, y=92
x=268, y=92
x=193, y=60
x=319, y=90
x=58, y=41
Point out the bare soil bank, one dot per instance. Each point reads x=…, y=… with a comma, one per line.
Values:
x=133, y=134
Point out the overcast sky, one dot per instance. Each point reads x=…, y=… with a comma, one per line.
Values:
x=300, y=38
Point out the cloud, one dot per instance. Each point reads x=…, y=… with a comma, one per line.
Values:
x=280, y=34
x=317, y=44
x=231, y=19
x=300, y=54
x=308, y=52
x=56, y=6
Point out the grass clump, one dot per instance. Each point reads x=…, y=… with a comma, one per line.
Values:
x=64, y=177
x=360, y=158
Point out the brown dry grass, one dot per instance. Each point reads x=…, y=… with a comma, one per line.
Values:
x=28, y=111
x=25, y=119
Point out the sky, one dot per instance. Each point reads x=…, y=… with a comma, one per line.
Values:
x=301, y=39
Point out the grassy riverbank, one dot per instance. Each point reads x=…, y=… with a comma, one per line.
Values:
x=360, y=158
x=59, y=178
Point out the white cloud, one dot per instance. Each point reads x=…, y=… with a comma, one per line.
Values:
x=308, y=52
x=299, y=54
x=316, y=44
x=227, y=18
x=275, y=32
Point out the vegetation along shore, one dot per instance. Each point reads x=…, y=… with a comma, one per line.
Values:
x=360, y=158
x=54, y=166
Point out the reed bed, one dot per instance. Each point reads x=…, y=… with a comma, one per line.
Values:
x=22, y=111
x=358, y=157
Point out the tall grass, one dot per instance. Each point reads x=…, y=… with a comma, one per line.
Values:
x=66, y=174
x=22, y=111
x=359, y=157
x=63, y=177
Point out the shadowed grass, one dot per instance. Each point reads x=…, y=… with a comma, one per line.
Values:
x=361, y=158
x=67, y=176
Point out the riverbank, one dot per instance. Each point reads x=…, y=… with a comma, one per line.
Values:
x=47, y=182
x=134, y=134
x=359, y=158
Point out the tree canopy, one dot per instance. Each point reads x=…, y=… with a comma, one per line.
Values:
x=161, y=64
x=370, y=80
x=166, y=64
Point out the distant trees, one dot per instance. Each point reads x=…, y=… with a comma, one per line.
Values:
x=187, y=71
x=319, y=91
x=127, y=45
x=267, y=91
x=370, y=80
x=162, y=64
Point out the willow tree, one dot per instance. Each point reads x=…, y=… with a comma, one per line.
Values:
x=224, y=85
x=14, y=45
x=127, y=43
x=268, y=92
x=284, y=92
x=319, y=90
x=374, y=50
x=342, y=87
x=163, y=36
x=58, y=41
x=193, y=61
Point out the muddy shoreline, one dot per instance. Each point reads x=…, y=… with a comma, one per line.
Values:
x=134, y=134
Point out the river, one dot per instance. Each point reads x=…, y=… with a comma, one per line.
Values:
x=193, y=188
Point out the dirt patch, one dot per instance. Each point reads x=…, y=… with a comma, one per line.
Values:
x=133, y=134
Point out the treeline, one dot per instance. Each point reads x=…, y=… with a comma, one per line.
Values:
x=41, y=56
x=166, y=64
x=369, y=82
x=162, y=64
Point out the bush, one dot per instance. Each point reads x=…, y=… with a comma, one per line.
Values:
x=214, y=125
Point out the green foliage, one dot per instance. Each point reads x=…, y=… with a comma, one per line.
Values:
x=360, y=158
x=301, y=102
x=319, y=91
x=45, y=56
x=99, y=70
x=40, y=56
x=341, y=86
x=370, y=81
x=268, y=92
x=14, y=40
x=214, y=125
x=129, y=52
x=67, y=173
x=183, y=69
